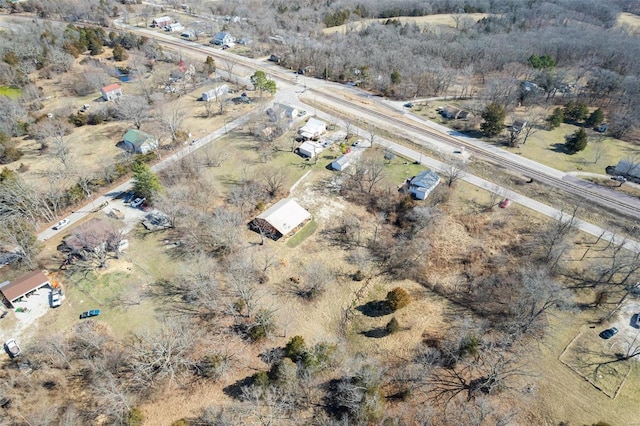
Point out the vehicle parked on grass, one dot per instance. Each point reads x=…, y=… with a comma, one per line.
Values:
x=61, y=224
x=609, y=333
x=89, y=314
x=504, y=203
x=408, y=105
x=12, y=348
x=635, y=320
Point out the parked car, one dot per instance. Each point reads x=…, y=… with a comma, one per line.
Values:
x=56, y=299
x=89, y=314
x=357, y=143
x=137, y=202
x=609, y=333
x=408, y=105
x=129, y=197
x=619, y=178
x=504, y=203
x=302, y=113
x=61, y=224
x=12, y=348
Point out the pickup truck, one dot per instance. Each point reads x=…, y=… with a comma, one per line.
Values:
x=12, y=348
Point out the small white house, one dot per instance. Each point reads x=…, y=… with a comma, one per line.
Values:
x=139, y=141
x=310, y=149
x=212, y=94
x=223, y=37
x=341, y=162
x=176, y=26
x=111, y=92
x=312, y=129
x=161, y=22
x=422, y=184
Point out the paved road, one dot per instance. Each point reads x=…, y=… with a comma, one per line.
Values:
x=114, y=192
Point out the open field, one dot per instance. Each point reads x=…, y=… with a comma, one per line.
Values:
x=443, y=21
x=629, y=19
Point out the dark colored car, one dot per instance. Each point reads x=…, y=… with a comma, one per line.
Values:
x=89, y=314
x=408, y=105
x=609, y=333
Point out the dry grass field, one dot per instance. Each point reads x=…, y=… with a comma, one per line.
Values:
x=629, y=19
x=443, y=21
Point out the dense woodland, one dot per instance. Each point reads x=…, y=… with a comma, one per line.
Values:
x=214, y=309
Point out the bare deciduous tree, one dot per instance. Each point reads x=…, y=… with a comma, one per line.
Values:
x=454, y=171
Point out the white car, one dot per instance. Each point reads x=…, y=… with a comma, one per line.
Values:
x=137, y=202
x=56, y=300
x=61, y=224
x=12, y=348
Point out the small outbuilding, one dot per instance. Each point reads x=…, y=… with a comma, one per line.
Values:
x=454, y=113
x=422, y=184
x=15, y=290
x=281, y=219
x=310, y=149
x=139, y=141
x=111, y=92
x=312, y=129
x=341, y=162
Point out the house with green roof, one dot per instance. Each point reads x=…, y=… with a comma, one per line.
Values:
x=139, y=142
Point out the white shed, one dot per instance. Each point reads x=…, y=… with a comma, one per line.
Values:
x=310, y=149
x=341, y=162
x=280, y=219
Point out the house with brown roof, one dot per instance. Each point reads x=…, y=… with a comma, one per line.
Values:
x=111, y=92
x=18, y=288
x=92, y=236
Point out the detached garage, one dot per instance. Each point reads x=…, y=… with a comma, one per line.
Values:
x=280, y=219
x=14, y=290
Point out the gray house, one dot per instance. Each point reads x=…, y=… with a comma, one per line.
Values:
x=628, y=168
x=341, y=162
x=139, y=141
x=223, y=37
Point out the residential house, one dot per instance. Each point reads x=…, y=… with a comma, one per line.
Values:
x=223, y=37
x=161, y=22
x=175, y=27
x=139, y=142
x=280, y=112
x=92, y=236
x=628, y=169
x=111, y=92
x=280, y=219
x=313, y=129
x=310, y=149
x=422, y=184
x=454, y=113
x=13, y=291
x=341, y=162
x=214, y=93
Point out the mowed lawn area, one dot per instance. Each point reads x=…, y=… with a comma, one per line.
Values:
x=547, y=147
x=10, y=92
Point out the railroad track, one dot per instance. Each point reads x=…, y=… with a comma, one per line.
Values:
x=627, y=205
x=619, y=203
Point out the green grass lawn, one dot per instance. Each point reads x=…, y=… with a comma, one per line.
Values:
x=400, y=169
x=546, y=147
x=306, y=231
x=11, y=92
